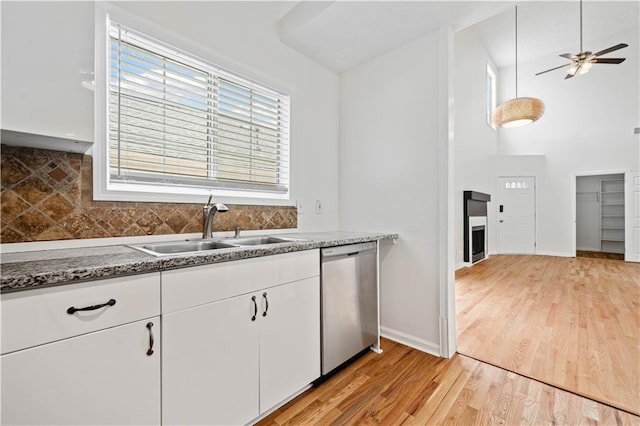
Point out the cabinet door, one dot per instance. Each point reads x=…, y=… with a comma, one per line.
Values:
x=105, y=377
x=210, y=364
x=289, y=339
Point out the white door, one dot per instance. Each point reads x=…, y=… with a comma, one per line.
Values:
x=632, y=252
x=101, y=378
x=516, y=215
x=210, y=363
x=289, y=339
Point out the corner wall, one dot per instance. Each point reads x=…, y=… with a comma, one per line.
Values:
x=390, y=182
x=476, y=143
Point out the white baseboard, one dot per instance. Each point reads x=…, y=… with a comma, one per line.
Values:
x=408, y=340
x=462, y=265
x=469, y=264
x=541, y=253
x=555, y=253
x=588, y=248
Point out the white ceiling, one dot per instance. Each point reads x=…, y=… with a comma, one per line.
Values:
x=343, y=34
x=551, y=27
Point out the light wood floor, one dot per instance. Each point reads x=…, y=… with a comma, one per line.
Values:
x=570, y=322
x=599, y=255
x=406, y=386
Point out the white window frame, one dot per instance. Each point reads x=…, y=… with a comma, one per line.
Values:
x=490, y=94
x=108, y=191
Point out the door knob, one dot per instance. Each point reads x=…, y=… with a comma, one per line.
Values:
x=501, y=220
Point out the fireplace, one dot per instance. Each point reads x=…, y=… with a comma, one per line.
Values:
x=475, y=226
x=477, y=243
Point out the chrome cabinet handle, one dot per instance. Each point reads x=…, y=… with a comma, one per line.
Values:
x=264, y=296
x=72, y=310
x=255, y=308
x=150, y=350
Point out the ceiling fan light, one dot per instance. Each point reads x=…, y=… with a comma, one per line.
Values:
x=585, y=68
x=572, y=70
x=518, y=112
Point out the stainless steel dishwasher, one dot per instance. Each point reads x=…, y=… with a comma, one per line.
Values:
x=349, y=302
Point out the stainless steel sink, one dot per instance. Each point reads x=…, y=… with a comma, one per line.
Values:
x=199, y=246
x=261, y=240
x=177, y=247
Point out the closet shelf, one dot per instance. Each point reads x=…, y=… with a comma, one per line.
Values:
x=612, y=228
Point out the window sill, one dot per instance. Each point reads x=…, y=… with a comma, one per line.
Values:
x=200, y=197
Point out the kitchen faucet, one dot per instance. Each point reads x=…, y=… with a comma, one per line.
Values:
x=208, y=212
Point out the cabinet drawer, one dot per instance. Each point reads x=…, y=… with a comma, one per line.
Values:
x=184, y=288
x=34, y=317
x=299, y=265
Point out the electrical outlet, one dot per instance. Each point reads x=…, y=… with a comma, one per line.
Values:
x=319, y=208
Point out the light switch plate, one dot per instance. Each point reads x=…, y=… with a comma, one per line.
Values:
x=319, y=207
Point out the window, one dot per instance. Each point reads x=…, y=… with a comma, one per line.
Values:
x=178, y=124
x=515, y=185
x=490, y=95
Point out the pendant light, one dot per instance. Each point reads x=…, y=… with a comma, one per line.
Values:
x=517, y=112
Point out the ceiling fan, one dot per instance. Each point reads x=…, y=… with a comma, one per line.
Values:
x=582, y=62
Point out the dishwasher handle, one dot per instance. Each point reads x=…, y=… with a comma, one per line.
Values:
x=347, y=250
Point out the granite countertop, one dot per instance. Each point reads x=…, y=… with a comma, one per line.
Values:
x=36, y=269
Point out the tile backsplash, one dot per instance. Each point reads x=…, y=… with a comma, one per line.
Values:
x=47, y=195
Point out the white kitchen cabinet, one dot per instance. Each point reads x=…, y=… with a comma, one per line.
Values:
x=210, y=364
x=231, y=359
x=289, y=340
x=80, y=353
x=106, y=377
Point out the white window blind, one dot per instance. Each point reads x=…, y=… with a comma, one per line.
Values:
x=175, y=120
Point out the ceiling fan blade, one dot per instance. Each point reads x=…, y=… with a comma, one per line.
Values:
x=608, y=60
x=611, y=49
x=553, y=69
x=569, y=56
x=575, y=72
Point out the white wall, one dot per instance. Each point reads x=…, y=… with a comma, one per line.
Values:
x=44, y=44
x=389, y=180
x=476, y=143
x=587, y=126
